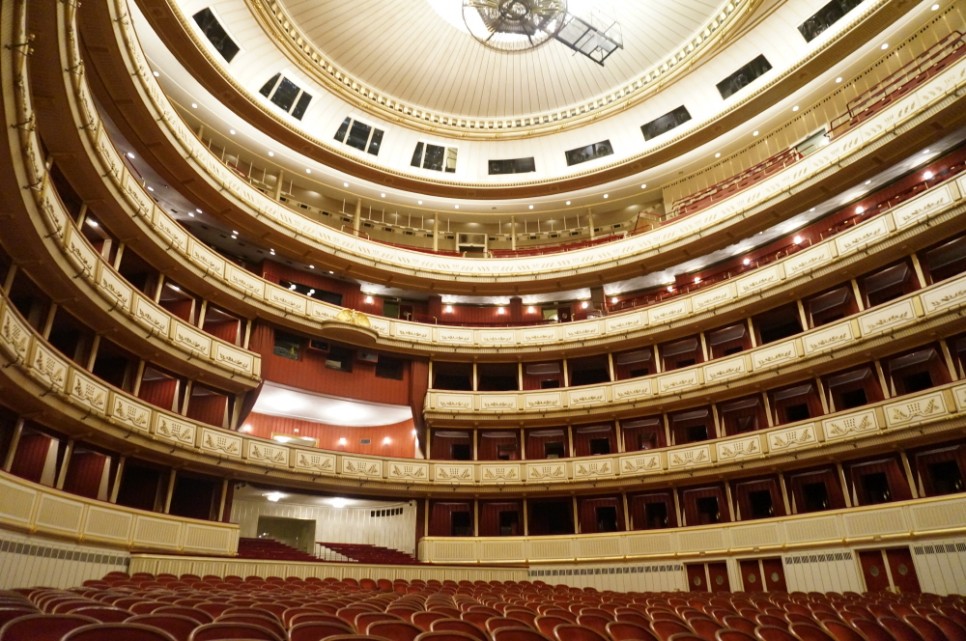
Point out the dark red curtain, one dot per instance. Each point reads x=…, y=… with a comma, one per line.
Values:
x=441, y=516
x=84, y=473
x=31, y=455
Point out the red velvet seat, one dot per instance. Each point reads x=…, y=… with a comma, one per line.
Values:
x=517, y=634
x=179, y=627
x=628, y=631
x=577, y=632
x=457, y=625
x=219, y=631
x=393, y=630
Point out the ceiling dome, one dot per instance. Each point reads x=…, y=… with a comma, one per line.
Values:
x=428, y=57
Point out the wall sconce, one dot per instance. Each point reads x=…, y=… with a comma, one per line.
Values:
x=368, y=300
x=448, y=309
x=386, y=441
x=342, y=441
x=501, y=311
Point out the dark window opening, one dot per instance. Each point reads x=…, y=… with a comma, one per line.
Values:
x=216, y=34
x=461, y=452
x=549, y=383
x=916, y=382
x=656, y=515
x=743, y=76
x=511, y=166
x=708, y=511
x=589, y=377
x=606, y=519
x=944, y=477
x=875, y=488
x=797, y=412
x=509, y=523
x=696, y=433
x=761, y=504
x=816, y=497
x=825, y=17
x=778, y=324
x=287, y=346
x=461, y=524
x=553, y=449
x=589, y=152
x=599, y=446
x=391, y=368
x=853, y=398
x=665, y=123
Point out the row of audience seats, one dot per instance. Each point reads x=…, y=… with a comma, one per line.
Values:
x=371, y=554
x=165, y=607
x=270, y=549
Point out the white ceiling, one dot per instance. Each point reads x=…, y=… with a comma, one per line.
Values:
x=277, y=400
x=419, y=52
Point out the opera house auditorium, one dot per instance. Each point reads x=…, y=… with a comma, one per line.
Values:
x=483, y=320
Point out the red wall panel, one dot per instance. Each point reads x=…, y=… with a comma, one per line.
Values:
x=327, y=436
x=84, y=473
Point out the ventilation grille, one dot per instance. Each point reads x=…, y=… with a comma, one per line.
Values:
x=948, y=548
x=622, y=569
x=47, y=552
x=805, y=559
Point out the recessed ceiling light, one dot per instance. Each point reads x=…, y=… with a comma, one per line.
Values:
x=271, y=154
x=644, y=186
x=839, y=79
x=885, y=45
x=746, y=262
x=157, y=74
x=92, y=222
x=530, y=207
x=308, y=171
x=382, y=194
x=860, y=209
x=935, y=7
x=754, y=133
x=419, y=202
x=198, y=210
x=150, y=188
x=456, y=206
x=795, y=108
x=567, y=203
x=925, y=151
x=928, y=175
x=130, y=155
x=606, y=196
x=718, y=155
x=345, y=184
x=194, y=105
x=191, y=214
x=232, y=132
x=311, y=266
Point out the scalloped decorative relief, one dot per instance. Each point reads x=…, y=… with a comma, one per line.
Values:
x=887, y=317
x=176, y=236
x=678, y=381
x=698, y=455
x=631, y=390
x=497, y=338
x=641, y=463
x=54, y=216
x=133, y=191
x=114, y=288
x=724, y=370
x=412, y=332
x=591, y=396
x=543, y=401
x=827, y=337
x=714, y=297
x=739, y=448
x=764, y=357
x=191, y=339
x=212, y=263
x=850, y=425
x=317, y=310
x=759, y=279
x=951, y=294
x=221, y=443
x=499, y=403
x=235, y=358
x=580, y=331
x=245, y=282
x=287, y=300
x=959, y=393
x=547, y=471
x=126, y=411
x=267, y=453
x=625, y=322
x=669, y=312
x=46, y=366
x=88, y=391
x=916, y=410
x=352, y=466
x=453, y=473
x=507, y=472
x=408, y=471
x=872, y=230
x=151, y=317
x=929, y=203
x=451, y=402
x=314, y=461
x=792, y=438
x=539, y=335
x=175, y=430
x=810, y=259
x=597, y=468
x=14, y=335
x=80, y=253
x=454, y=336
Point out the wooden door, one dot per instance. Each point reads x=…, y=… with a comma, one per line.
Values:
x=903, y=570
x=718, y=577
x=751, y=578
x=874, y=570
x=774, y=574
x=697, y=577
